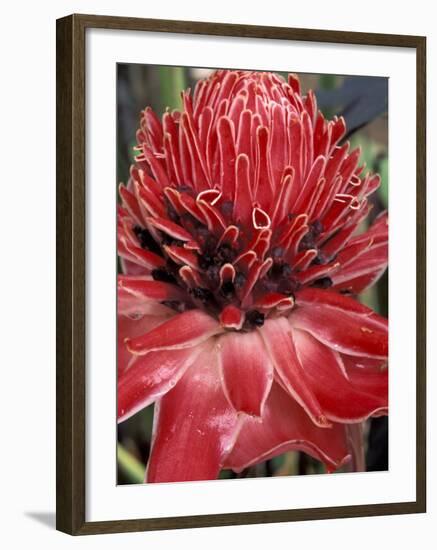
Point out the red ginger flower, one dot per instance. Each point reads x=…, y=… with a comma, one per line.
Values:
x=239, y=245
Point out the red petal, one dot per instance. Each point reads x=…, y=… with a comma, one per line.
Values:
x=293, y=81
x=131, y=204
x=200, y=173
x=285, y=426
x=137, y=255
x=172, y=229
x=286, y=192
x=342, y=324
x=341, y=400
x=214, y=218
x=194, y=426
x=230, y=236
x=232, y=317
x=274, y=299
x=227, y=273
x=150, y=377
x=156, y=166
x=260, y=219
x=278, y=340
x=247, y=371
x=244, y=134
x=182, y=256
x=182, y=331
x=263, y=183
x=225, y=134
x=190, y=276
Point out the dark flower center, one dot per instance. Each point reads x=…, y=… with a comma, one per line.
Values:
x=215, y=291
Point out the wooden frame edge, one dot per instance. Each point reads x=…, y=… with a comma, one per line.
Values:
x=70, y=274
x=421, y=463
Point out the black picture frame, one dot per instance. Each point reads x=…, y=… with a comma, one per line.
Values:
x=71, y=246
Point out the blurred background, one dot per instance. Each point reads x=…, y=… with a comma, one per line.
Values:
x=362, y=101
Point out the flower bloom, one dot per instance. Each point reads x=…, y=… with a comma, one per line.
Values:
x=239, y=239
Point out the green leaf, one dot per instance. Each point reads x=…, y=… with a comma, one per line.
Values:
x=383, y=189
x=172, y=81
x=369, y=151
x=328, y=81
x=130, y=466
x=225, y=474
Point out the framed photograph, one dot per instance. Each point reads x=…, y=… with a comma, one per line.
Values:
x=240, y=274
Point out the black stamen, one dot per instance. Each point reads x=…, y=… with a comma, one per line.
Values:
x=277, y=253
x=213, y=274
x=317, y=228
x=288, y=286
x=172, y=214
x=255, y=318
x=279, y=270
x=205, y=261
x=324, y=282
x=147, y=242
x=163, y=275
x=170, y=241
x=227, y=289
x=225, y=254
x=203, y=294
x=227, y=208
x=210, y=243
x=307, y=242
x=320, y=258
x=240, y=279
x=176, y=305
x=184, y=188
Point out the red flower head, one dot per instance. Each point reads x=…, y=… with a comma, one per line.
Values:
x=239, y=246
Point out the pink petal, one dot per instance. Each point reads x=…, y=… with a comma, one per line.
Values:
x=147, y=289
x=373, y=381
x=341, y=323
x=247, y=371
x=277, y=338
x=355, y=443
x=341, y=400
x=182, y=331
x=377, y=365
x=194, y=426
x=134, y=305
x=150, y=377
x=284, y=427
x=315, y=296
x=127, y=327
x=363, y=270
